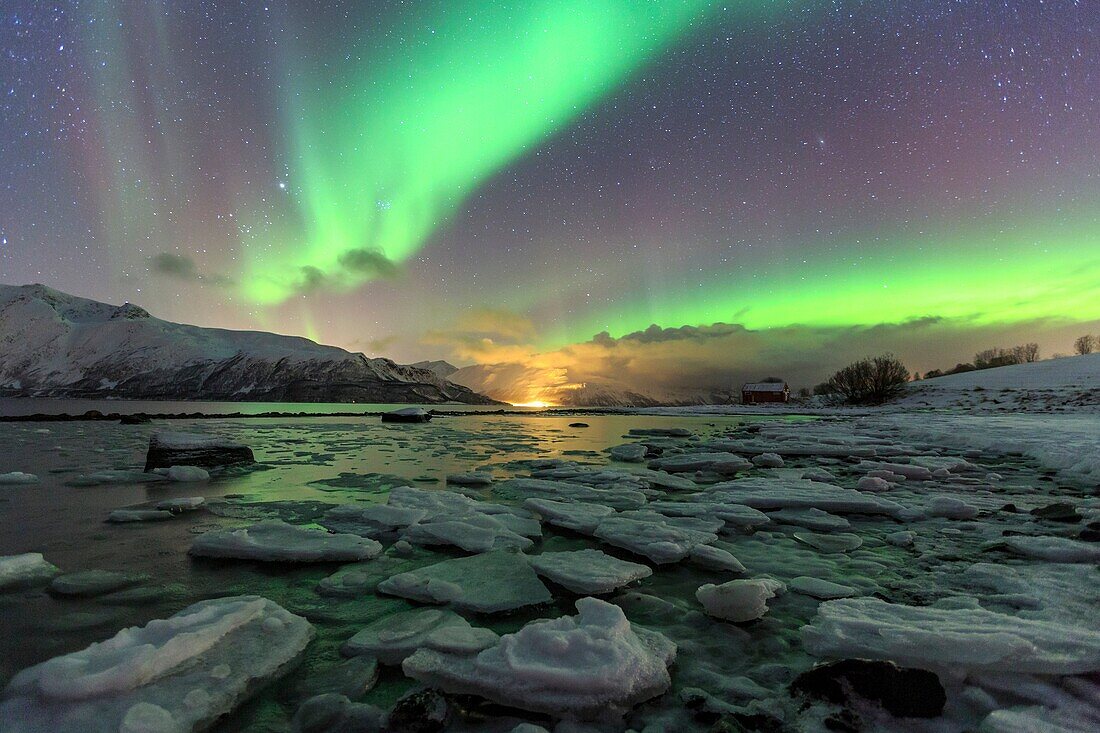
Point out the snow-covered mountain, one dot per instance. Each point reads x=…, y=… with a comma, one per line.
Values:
x=58, y=345
x=438, y=367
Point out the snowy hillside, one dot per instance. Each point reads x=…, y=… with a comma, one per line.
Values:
x=55, y=344
x=1055, y=384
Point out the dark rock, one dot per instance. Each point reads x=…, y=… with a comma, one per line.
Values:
x=1059, y=512
x=189, y=449
x=902, y=692
x=135, y=419
x=425, y=711
x=1010, y=508
x=578, y=425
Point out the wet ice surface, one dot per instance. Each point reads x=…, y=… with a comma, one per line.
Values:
x=863, y=540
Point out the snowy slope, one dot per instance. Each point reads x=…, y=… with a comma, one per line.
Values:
x=1070, y=371
x=1057, y=385
x=55, y=344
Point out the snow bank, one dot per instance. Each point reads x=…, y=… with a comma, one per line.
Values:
x=1068, y=443
x=171, y=675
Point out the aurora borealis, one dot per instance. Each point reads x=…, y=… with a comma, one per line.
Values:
x=533, y=185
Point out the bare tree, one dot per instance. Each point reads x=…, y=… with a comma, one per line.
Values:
x=1084, y=344
x=994, y=358
x=1026, y=353
x=870, y=381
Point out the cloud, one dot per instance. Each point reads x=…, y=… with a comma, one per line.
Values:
x=353, y=266
x=368, y=262
x=181, y=267
x=496, y=323
x=693, y=363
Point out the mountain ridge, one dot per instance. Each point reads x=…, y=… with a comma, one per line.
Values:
x=53, y=344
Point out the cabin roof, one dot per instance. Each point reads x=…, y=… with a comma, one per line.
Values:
x=764, y=387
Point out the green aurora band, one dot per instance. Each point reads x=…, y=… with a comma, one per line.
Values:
x=1042, y=267
x=384, y=149
x=383, y=154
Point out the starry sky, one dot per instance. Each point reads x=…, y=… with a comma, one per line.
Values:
x=674, y=192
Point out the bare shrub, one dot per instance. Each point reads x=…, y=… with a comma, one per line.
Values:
x=870, y=381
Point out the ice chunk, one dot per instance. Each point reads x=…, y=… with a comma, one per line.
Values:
x=473, y=478
x=739, y=600
x=956, y=639
x=588, y=571
x=725, y=464
x=492, y=582
x=778, y=493
x=577, y=516
x=595, y=665
x=659, y=538
x=479, y=533
x=715, y=558
x=123, y=516
x=823, y=589
x=171, y=675
x=407, y=415
x=910, y=471
x=15, y=478
x=1054, y=549
x=628, y=453
x=814, y=519
x=901, y=539
x=873, y=484
x=768, y=460
x=616, y=498
x=181, y=504
x=187, y=474
x=841, y=542
x=88, y=583
x=276, y=541
x=950, y=507
x=393, y=638
x=17, y=570
x=193, y=449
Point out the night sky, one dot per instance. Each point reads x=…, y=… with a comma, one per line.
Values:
x=587, y=190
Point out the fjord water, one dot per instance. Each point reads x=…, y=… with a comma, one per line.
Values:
x=304, y=463
x=16, y=407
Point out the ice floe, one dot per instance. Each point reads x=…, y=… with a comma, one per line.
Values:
x=595, y=665
x=492, y=582
x=275, y=541
x=171, y=675
x=739, y=600
x=393, y=638
x=588, y=571
x=963, y=638
x=19, y=570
